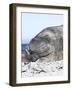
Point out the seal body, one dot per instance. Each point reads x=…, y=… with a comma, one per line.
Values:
x=48, y=43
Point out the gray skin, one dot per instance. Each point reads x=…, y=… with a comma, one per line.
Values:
x=48, y=42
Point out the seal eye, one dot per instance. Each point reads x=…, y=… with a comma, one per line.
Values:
x=46, y=39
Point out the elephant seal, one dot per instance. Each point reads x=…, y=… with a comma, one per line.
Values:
x=48, y=43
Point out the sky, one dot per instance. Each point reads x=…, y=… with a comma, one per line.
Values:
x=33, y=23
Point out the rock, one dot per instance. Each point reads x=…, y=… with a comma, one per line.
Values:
x=38, y=69
x=48, y=43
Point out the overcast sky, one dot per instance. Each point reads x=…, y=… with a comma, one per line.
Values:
x=33, y=23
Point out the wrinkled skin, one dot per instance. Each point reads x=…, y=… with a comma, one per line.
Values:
x=48, y=41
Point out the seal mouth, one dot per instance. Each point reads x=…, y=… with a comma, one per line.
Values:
x=32, y=57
